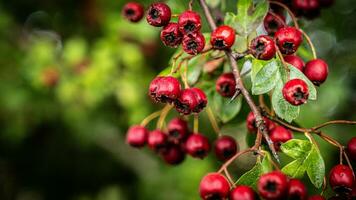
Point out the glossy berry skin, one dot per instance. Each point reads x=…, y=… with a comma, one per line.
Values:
x=351, y=148
x=317, y=71
x=189, y=22
x=157, y=140
x=164, y=89
x=297, y=190
x=288, y=39
x=197, y=145
x=171, y=36
x=341, y=179
x=273, y=22
x=243, y=193
x=280, y=135
x=296, y=61
x=273, y=186
x=316, y=197
x=202, y=100
x=263, y=47
x=173, y=155
x=193, y=44
x=214, y=186
x=191, y=100
x=226, y=85
x=158, y=14
x=225, y=147
x=133, y=11
x=137, y=136
x=223, y=37
x=251, y=123
x=296, y=92
x=178, y=130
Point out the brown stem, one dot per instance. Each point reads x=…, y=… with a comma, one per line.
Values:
x=310, y=44
x=288, y=10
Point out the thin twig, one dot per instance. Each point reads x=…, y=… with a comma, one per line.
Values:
x=150, y=117
x=295, y=21
x=312, y=47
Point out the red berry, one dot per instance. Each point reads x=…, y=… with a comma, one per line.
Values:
x=202, y=100
x=306, y=5
x=158, y=14
x=243, y=193
x=191, y=100
x=222, y=37
x=316, y=197
x=194, y=43
x=225, y=147
x=178, y=130
x=288, y=39
x=341, y=179
x=280, y=135
x=173, y=155
x=226, y=85
x=296, y=92
x=317, y=71
x=197, y=145
x=214, y=186
x=273, y=22
x=273, y=186
x=351, y=148
x=297, y=190
x=164, y=89
x=171, y=36
x=136, y=136
x=251, y=123
x=296, y=61
x=263, y=47
x=157, y=140
x=189, y=22
x=133, y=11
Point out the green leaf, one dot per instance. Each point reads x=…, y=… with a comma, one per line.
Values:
x=224, y=109
x=295, y=169
x=296, y=73
x=266, y=78
x=316, y=167
x=296, y=148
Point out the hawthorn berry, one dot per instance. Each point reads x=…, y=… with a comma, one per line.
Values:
x=225, y=147
x=273, y=185
x=157, y=140
x=272, y=22
x=306, y=5
x=351, y=148
x=296, y=92
x=214, y=186
x=189, y=22
x=158, y=14
x=133, y=11
x=171, y=36
x=164, y=89
x=178, y=130
x=243, y=193
x=251, y=123
x=317, y=71
x=341, y=179
x=191, y=100
x=316, y=197
x=288, y=39
x=202, y=100
x=137, y=136
x=194, y=43
x=280, y=135
x=197, y=145
x=297, y=190
x=226, y=85
x=296, y=61
x=263, y=47
x=223, y=37
x=173, y=155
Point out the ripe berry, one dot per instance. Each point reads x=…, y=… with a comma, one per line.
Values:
x=226, y=85
x=222, y=37
x=341, y=179
x=251, y=123
x=193, y=44
x=136, y=136
x=225, y=147
x=297, y=190
x=296, y=61
x=288, y=39
x=173, y=155
x=158, y=14
x=263, y=47
x=351, y=148
x=197, y=145
x=273, y=22
x=189, y=22
x=316, y=197
x=273, y=185
x=317, y=71
x=171, y=36
x=214, y=186
x=178, y=130
x=157, y=140
x=280, y=135
x=191, y=100
x=296, y=92
x=243, y=193
x=164, y=89
x=306, y=5
x=133, y=11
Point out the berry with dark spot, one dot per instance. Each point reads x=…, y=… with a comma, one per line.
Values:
x=243, y=192
x=297, y=190
x=223, y=37
x=171, y=36
x=191, y=100
x=351, y=148
x=288, y=39
x=341, y=179
x=296, y=92
x=317, y=71
x=173, y=155
x=225, y=147
x=214, y=186
x=273, y=186
x=189, y=22
x=263, y=47
x=133, y=11
x=280, y=135
x=197, y=145
x=296, y=61
x=273, y=22
x=137, y=136
x=164, y=89
x=158, y=14
x=226, y=85
x=178, y=130
x=194, y=43
x=157, y=140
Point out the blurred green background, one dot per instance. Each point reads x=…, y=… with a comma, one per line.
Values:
x=74, y=77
